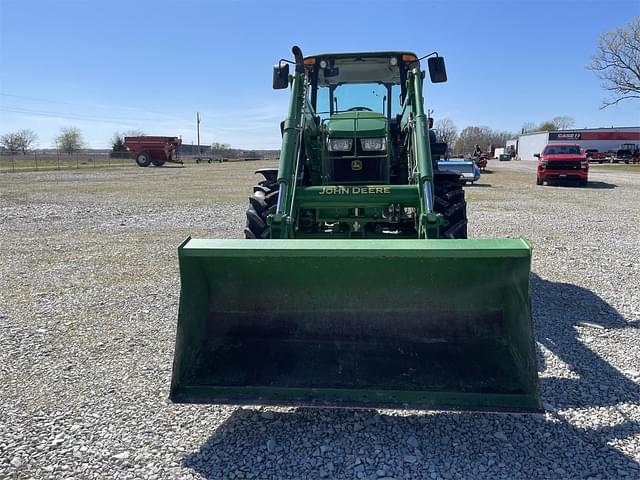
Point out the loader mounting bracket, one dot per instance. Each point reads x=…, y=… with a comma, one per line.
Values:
x=430, y=224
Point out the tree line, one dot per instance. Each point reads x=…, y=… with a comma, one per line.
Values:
x=68, y=140
x=464, y=142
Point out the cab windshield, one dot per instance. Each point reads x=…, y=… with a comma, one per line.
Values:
x=357, y=82
x=562, y=150
x=358, y=97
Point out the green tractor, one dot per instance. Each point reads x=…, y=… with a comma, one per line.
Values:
x=356, y=284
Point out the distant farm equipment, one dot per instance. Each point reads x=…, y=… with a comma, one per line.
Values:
x=593, y=155
x=627, y=153
x=157, y=150
x=467, y=169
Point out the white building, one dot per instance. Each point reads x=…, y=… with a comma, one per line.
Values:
x=601, y=139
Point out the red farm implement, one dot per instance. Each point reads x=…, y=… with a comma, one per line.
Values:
x=157, y=150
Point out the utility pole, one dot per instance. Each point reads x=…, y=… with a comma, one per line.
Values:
x=198, y=124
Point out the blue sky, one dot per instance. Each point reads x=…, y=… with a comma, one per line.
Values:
x=107, y=66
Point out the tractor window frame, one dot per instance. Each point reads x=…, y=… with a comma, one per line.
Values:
x=312, y=79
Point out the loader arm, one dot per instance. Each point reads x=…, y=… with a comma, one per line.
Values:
x=281, y=222
x=429, y=221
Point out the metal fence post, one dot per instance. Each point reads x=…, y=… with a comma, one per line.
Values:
x=58, y=155
x=13, y=163
x=35, y=157
x=77, y=163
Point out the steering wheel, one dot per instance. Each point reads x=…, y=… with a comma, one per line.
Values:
x=359, y=109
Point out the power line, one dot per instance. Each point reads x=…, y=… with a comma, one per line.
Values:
x=69, y=116
x=24, y=97
x=61, y=102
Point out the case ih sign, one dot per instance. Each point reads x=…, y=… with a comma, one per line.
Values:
x=565, y=135
x=607, y=135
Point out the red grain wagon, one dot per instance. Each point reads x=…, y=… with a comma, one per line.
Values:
x=157, y=150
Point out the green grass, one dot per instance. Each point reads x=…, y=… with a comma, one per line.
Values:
x=635, y=168
x=31, y=162
x=48, y=162
x=202, y=184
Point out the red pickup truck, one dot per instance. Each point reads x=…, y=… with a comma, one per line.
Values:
x=562, y=161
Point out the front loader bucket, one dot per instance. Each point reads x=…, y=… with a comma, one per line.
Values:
x=443, y=324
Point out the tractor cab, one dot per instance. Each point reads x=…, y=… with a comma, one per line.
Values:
x=357, y=102
x=358, y=98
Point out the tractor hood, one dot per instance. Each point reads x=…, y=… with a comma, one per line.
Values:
x=362, y=124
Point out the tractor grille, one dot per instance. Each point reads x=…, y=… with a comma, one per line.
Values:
x=564, y=165
x=371, y=171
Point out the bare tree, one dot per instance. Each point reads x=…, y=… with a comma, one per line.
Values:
x=547, y=126
x=528, y=127
x=27, y=138
x=617, y=62
x=19, y=141
x=446, y=131
x=482, y=136
x=220, y=146
x=69, y=139
x=11, y=142
x=563, y=122
x=133, y=133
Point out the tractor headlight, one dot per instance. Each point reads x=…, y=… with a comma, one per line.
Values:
x=340, y=144
x=373, y=144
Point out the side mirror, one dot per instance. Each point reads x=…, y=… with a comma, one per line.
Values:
x=537, y=155
x=437, y=70
x=280, y=76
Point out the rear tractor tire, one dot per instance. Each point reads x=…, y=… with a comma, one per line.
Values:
x=450, y=203
x=262, y=203
x=157, y=162
x=143, y=159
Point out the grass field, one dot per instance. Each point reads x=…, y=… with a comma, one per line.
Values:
x=634, y=168
x=30, y=162
x=48, y=162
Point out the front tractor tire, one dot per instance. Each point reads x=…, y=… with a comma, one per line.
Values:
x=262, y=203
x=143, y=159
x=450, y=203
x=539, y=181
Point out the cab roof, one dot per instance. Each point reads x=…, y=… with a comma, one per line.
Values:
x=388, y=54
x=358, y=67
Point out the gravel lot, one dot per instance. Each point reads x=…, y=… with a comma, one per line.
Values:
x=88, y=305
